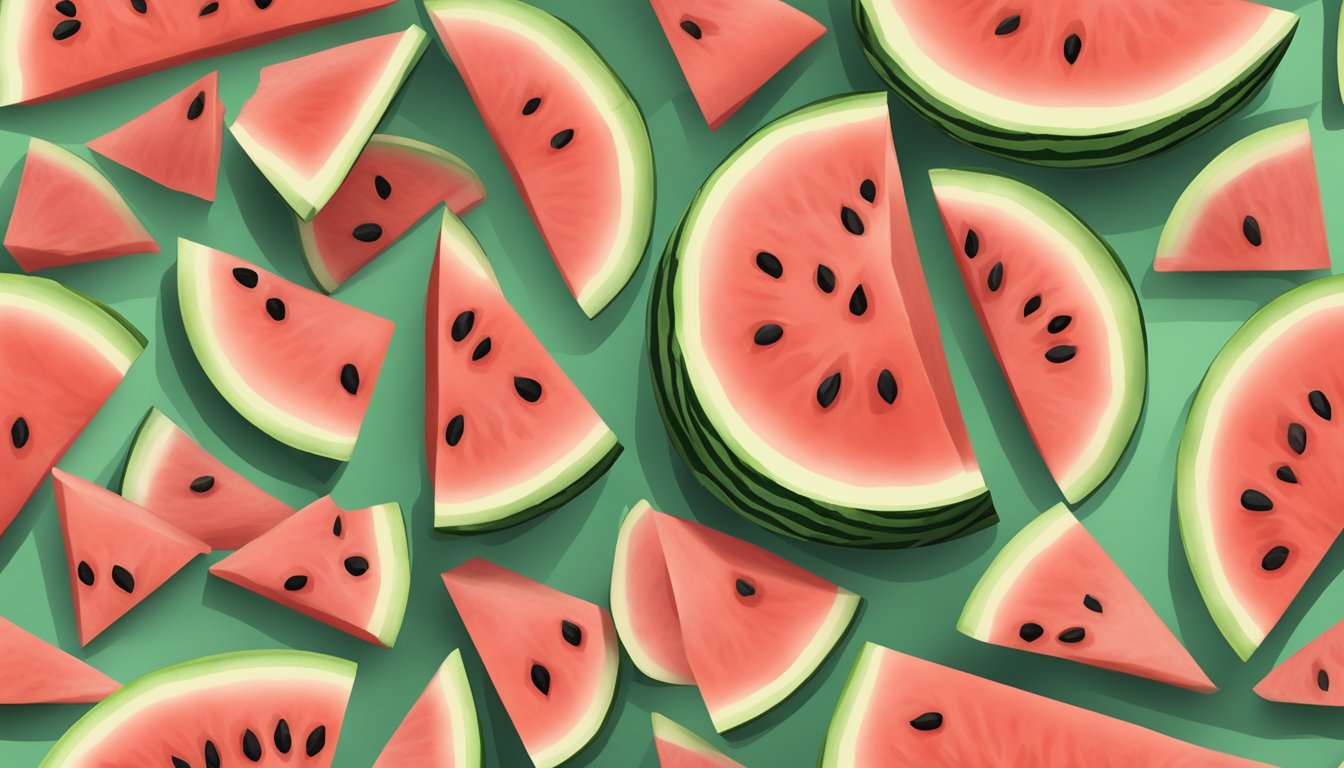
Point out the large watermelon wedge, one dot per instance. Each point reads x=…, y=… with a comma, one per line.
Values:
x=441, y=730
x=679, y=748
x=267, y=708
x=901, y=710
x=798, y=241
x=1308, y=675
x=1057, y=82
x=1053, y=590
x=1257, y=478
x=62, y=354
x=299, y=365
x=1061, y=315
x=32, y=671
x=570, y=133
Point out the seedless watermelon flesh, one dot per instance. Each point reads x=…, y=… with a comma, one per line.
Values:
x=33, y=671
x=441, y=730
x=1061, y=315
x=643, y=604
x=679, y=748
x=1306, y=676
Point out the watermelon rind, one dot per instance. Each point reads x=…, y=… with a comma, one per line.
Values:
x=842, y=737
x=141, y=464
x=455, y=690
x=665, y=729
x=102, y=327
x=621, y=602
x=79, y=745
x=389, y=529
x=977, y=618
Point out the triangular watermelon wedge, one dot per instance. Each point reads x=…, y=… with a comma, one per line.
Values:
x=117, y=552
x=32, y=671
x=728, y=50
x=176, y=143
x=69, y=213
x=552, y=658
x=1053, y=590
x=1312, y=675
x=679, y=748
x=441, y=730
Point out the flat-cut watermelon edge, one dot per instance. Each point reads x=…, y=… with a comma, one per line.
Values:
x=394, y=558
x=621, y=602
x=998, y=580
x=112, y=335
x=843, y=733
x=666, y=729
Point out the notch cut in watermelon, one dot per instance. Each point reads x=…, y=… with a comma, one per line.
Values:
x=1061, y=315
x=310, y=117
x=33, y=671
x=570, y=133
x=1254, y=207
x=299, y=365
x=441, y=730
x=552, y=658
x=679, y=748
x=1306, y=676
x=67, y=213
x=508, y=435
x=350, y=569
x=729, y=50
x=393, y=184
x=286, y=706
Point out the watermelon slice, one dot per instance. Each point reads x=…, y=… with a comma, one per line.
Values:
x=349, y=569
x=800, y=241
x=47, y=54
x=266, y=708
x=311, y=116
x=441, y=730
x=728, y=50
x=901, y=710
x=307, y=373
x=1057, y=82
x=498, y=460
x=1257, y=483
x=393, y=184
x=176, y=143
x=572, y=136
x=679, y=748
x=643, y=604
x=1061, y=315
x=1256, y=206
x=33, y=671
x=1304, y=677
x=551, y=657
x=1053, y=590
x=69, y=213
x=118, y=553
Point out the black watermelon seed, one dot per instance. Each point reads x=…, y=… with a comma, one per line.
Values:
x=1286, y=474
x=247, y=278
x=356, y=566
x=1319, y=403
x=65, y=29
x=180, y=763
x=197, y=106
x=1072, y=635
x=972, y=245
x=481, y=350
x=868, y=190
x=858, y=302
x=828, y=390
x=886, y=386
x=139, y=6
x=825, y=278
x=1275, y=558
x=203, y=484
x=19, y=434
x=1061, y=354
x=850, y=218
x=541, y=678
x=336, y=527
x=295, y=583
x=562, y=139
x=995, y=281
x=744, y=589
x=929, y=721
x=66, y=8
x=528, y=389
x=1092, y=604
x=1058, y=323
x=768, y=334
x=282, y=739
x=276, y=309
x=1008, y=26
x=532, y=105
x=211, y=754
x=123, y=579
x=1033, y=304
x=1297, y=438
x=1255, y=501
x=462, y=325
x=769, y=264
x=1030, y=632
x=456, y=427
x=1323, y=680
x=1250, y=229
x=571, y=632
x=382, y=186
x=209, y=8
x=368, y=233
x=85, y=573
x=692, y=29
x=317, y=741
x=251, y=746
x=350, y=378
x=263, y=4
x=1073, y=45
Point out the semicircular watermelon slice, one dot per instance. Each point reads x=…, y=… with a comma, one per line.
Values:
x=1312, y=675
x=680, y=748
x=33, y=671
x=441, y=730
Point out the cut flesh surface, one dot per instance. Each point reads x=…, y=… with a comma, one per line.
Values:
x=441, y=730
x=32, y=671
x=642, y=602
x=1312, y=675
x=680, y=748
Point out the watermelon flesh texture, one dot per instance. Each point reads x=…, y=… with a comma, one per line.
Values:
x=552, y=658
x=1227, y=219
x=69, y=213
x=643, y=604
x=348, y=569
x=728, y=49
x=1305, y=677
x=441, y=730
x=393, y=184
x=679, y=748
x=33, y=671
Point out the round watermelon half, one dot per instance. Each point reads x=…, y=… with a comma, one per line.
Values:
x=441, y=730
x=33, y=671
x=1257, y=483
x=679, y=748
x=1306, y=676
x=267, y=708
x=1061, y=316
x=1057, y=82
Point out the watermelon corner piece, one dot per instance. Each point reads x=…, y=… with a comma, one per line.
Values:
x=1304, y=677
x=679, y=747
x=441, y=730
x=33, y=671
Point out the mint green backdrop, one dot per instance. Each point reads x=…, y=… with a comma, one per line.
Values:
x=913, y=598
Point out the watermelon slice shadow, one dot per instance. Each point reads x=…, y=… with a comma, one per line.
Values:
x=264, y=213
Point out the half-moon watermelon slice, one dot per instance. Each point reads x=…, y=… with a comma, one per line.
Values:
x=393, y=184
x=552, y=658
x=267, y=708
x=1257, y=478
x=1053, y=590
x=348, y=569
x=441, y=730
x=1255, y=207
x=33, y=671
x=508, y=435
x=571, y=134
x=1308, y=675
x=299, y=365
x=1061, y=316
x=679, y=748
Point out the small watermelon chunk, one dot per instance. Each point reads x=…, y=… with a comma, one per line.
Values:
x=177, y=143
x=571, y=134
x=310, y=117
x=508, y=434
x=643, y=605
x=1053, y=590
x=679, y=748
x=441, y=730
x=69, y=213
x=32, y=671
x=1255, y=207
x=349, y=569
x=118, y=553
x=1305, y=677
x=728, y=50
x=552, y=658
x=299, y=365
x=394, y=183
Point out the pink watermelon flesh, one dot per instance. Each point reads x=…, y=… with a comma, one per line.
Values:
x=1313, y=675
x=679, y=748
x=111, y=41
x=177, y=143
x=68, y=213
x=33, y=671
x=728, y=49
x=430, y=735
x=643, y=603
x=117, y=552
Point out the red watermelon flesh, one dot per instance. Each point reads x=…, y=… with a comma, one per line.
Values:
x=679, y=748
x=33, y=671
x=176, y=143
x=441, y=730
x=117, y=552
x=643, y=604
x=69, y=213
x=1312, y=675
x=728, y=49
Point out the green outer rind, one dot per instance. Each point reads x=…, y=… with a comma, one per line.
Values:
x=1002, y=567
x=457, y=695
x=852, y=702
x=399, y=557
x=113, y=329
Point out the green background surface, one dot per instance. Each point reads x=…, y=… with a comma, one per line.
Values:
x=913, y=598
